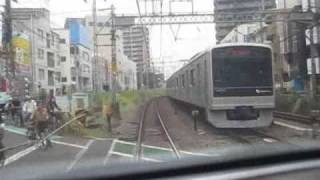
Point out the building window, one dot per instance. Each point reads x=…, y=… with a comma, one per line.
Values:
x=58, y=76
x=40, y=34
x=91, y=23
x=85, y=68
x=40, y=54
x=63, y=59
x=74, y=50
x=52, y=39
x=41, y=74
x=50, y=78
x=62, y=41
x=50, y=59
x=48, y=38
x=58, y=60
x=85, y=56
x=64, y=79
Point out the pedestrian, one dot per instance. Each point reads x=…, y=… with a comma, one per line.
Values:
x=28, y=108
x=52, y=106
x=40, y=121
x=13, y=108
x=108, y=111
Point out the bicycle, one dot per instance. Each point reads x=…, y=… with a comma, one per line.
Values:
x=55, y=120
x=40, y=138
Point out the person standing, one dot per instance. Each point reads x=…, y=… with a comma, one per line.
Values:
x=28, y=108
x=52, y=106
x=40, y=121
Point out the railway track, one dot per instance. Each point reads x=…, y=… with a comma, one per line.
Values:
x=142, y=127
x=293, y=117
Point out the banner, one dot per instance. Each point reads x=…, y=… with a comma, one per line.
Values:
x=21, y=48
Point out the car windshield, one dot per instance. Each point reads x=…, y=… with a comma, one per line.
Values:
x=97, y=83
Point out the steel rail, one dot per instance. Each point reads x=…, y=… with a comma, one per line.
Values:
x=293, y=117
x=138, y=151
x=165, y=129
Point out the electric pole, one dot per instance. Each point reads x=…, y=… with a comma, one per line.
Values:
x=114, y=67
x=261, y=21
x=313, y=55
x=7, y=40
x=95, y=54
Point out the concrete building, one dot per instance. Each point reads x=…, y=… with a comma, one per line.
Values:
x=127, y=74
x=81, y=54
x=136, y=47
x=124, y=64
x=290, y=42
x=234, y=12
x=134, y=43
x=67, y=63
x=243, y=33
x=37, y=47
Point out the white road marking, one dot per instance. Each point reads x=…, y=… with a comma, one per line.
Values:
x=165, y=149
x=122, y=154
x=292, y=126
x=69, y=144
x=131, y=156
x=199, y=154
x=269, y=140
x=97, y=138
x=109, y=152
x=79, y=155
x=20, y=154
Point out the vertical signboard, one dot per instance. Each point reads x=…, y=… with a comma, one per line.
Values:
x=21, y=50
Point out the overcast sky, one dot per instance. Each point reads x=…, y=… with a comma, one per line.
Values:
x=191, y=38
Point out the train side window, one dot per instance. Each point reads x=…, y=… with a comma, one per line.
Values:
x=192, y=82
x=198, y=70
x=187, y=79
x=183, y=80
x=177, y=85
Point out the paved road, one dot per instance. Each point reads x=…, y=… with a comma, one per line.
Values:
x=67, y=153
x=72, y=153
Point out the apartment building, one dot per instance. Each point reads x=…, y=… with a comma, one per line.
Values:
x=33, y=33
x=230, y=13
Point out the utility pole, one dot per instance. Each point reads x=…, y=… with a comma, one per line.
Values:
x=95, y=54
x=261, y=21
x=313, y=55
x=7, y=40
x=114, y=68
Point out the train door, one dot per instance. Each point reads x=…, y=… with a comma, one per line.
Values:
x=199, y=84
x=205, y=90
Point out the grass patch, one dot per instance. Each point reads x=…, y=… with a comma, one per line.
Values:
x=286, y=101
x=128, y=101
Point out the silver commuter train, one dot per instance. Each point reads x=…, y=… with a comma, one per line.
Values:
x=231, y=83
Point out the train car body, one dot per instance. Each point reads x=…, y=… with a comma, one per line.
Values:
x=231, y=83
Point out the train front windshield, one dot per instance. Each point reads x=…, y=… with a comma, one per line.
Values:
x=242, y=71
